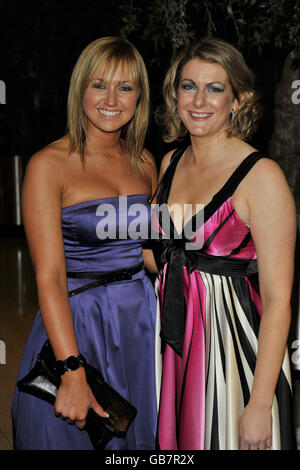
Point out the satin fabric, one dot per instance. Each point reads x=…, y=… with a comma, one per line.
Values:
x=208, y=362
x=114, y=326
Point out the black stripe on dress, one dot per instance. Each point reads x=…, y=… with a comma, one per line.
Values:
x=221, y=345
x=242, y=291
x=241, y=372
x=215, y=232
x=242, y=335
x=209, y=349
x=211, y=282
x=286, y=413
x=214, y=440
x=200, y=301
x=243, y=244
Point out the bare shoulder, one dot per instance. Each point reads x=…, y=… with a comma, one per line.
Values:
x=266, y=175
x=167, y=157
x=165, y=162
x=266, y=182
x=148, y=159
x=149, y=164
x=50, y=160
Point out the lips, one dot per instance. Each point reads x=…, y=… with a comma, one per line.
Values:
x=200, y=115
x=108, y=113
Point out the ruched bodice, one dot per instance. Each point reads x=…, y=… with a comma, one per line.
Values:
x=118, y=219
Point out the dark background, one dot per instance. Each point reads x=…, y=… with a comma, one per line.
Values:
x=40, y=42
x=39, y=45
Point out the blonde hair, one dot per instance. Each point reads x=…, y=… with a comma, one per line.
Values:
x=109, y=52
x=241, y=78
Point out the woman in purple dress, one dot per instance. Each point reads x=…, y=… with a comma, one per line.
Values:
x=226, y=378
x=86, y=214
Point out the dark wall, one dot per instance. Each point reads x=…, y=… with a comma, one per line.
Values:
x=40, y=42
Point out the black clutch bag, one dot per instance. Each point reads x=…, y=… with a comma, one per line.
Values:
x=43, y=382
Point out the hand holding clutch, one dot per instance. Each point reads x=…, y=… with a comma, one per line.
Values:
x=43, y=382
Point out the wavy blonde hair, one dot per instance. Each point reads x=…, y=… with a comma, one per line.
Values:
x=241, y=78
x=109, y=52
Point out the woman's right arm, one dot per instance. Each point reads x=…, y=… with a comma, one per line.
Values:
x=41, y=205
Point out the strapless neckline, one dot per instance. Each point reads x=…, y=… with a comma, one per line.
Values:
x=96, y=201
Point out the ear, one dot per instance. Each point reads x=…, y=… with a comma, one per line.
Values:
x=238, y=101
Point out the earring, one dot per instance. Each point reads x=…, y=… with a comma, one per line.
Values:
x=231, y=115
x=178, y=117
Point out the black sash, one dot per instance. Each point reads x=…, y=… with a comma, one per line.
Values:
x=101, y=279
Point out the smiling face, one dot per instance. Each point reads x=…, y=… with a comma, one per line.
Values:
x=204, y=98
x=109, y=102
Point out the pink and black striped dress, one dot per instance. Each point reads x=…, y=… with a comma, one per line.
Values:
x=210, y=310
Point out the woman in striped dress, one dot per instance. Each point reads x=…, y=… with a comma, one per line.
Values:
x=226, y=377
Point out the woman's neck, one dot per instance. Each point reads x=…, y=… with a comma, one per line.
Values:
x=209, y=150
x=97, y=139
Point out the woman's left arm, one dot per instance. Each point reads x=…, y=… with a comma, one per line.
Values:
x=272, y=218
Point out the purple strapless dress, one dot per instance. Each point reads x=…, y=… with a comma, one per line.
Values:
x=114, y=326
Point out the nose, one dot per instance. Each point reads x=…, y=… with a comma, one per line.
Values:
x=111, y=96
x=199, y=97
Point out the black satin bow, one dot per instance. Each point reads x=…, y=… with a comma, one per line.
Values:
x=174, y=307
x=173, y=252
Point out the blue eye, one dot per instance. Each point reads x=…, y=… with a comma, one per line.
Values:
x=187, y=86
x=215, y=89
x=99, y=86
x=126, y=88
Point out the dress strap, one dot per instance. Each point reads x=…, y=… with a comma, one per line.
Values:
x=177, y=154
x=222, y=195
x=227, y=189
x=239, y=174
x=166, y=182
x=231, y=184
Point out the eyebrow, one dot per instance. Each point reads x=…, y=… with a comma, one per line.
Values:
x=209, y=83
x=121, y=82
